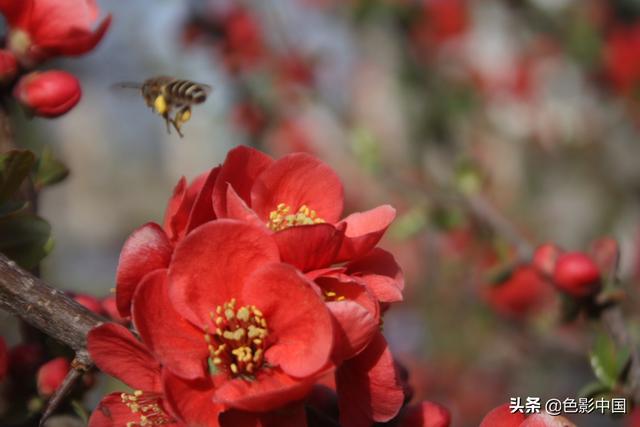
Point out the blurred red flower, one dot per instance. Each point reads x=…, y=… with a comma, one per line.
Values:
x=425, y=414
x=4, y=359
x=8, y=66
x=522, y=293
x=48, y=93
x=622, y=59
x=243, y=45
x=577, y=274
x=40, y=29
x=51, y=375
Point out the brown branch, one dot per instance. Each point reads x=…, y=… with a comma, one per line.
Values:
x=52, y=312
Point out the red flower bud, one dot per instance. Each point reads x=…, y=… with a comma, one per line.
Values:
x=576, y=274
x=51, y=375
x=48, y=93
x=502, y=417
x=8, y=66
x=545, y=257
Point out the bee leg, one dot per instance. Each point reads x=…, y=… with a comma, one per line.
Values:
x=182, y=116
x=167, y=121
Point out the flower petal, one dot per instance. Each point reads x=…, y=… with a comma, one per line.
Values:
x=202, y=209
x=299, y=323
x=502, y=417
x=309, y=247
x=381, y=274
x=425, y=414
x=177, y=344
x=176, y=212
x=146, y=250
x=210, y=265
x=117, y=352
x=192, y=400
x=271, y=389
x=238, y=209
x=295, y=180
x=364, y=231
x=76, y=42
x=372, y=377
x=240, y=169
x=353, y=327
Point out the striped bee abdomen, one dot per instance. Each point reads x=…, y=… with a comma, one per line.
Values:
x=186, y=92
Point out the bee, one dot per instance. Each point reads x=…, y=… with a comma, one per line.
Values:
x=165, y=94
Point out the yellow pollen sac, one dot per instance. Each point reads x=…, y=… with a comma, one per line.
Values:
x=332, y=296
x=238, y=345
x=281, y=218
x=160, y=105
x=147, y=406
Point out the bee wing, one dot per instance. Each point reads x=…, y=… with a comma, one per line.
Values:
x=126, y=85
x=207, y=88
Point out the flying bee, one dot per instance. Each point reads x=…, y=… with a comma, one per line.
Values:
x=165, y=94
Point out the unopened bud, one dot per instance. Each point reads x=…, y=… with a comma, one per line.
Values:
x=49, y=93
x=51, y=375
x=577, y=274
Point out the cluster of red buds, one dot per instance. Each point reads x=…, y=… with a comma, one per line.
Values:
x=39, y=30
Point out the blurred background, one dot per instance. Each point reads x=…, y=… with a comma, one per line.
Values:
x=531, y=106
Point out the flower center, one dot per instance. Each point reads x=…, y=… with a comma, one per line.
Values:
x=19, y=42
x=332, y=296
x=238, y=343
x=151, y=414
x=281, y=218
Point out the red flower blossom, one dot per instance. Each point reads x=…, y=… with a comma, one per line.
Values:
x=118, y=353
x=8, y=66
x=425, y=414
x=502, y=417
x=243, y=45
x=40, y=29
x=577, y=274
x=51, y=375
x=234, y=330
x=621, y=59
x=48, y=93
x=523, y=293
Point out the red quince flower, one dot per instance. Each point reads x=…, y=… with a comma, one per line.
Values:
x=118, y=353
x=522, y=293
x=41, y=29
x=243, y=45
x=48, y=93
x=425, y=414
x=8, y=66
x=51, y=375
x=621, y=59
x=249, y=329
x=502, y=417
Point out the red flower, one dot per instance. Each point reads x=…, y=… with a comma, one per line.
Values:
x=40, y=29
x=49, y=93
x=246, y=328
x=243, y=45
x=523, y=293
x=51, y=375
x=502, y=417
x=116, y=352
x=4, y=359
x=621, y=59
x=425, y=414
x=8, y=66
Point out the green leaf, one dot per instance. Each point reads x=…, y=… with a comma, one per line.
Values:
x=594, y=389
x=607, y=361
x=14, y=169
x=49, y=170
x=25, y=238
